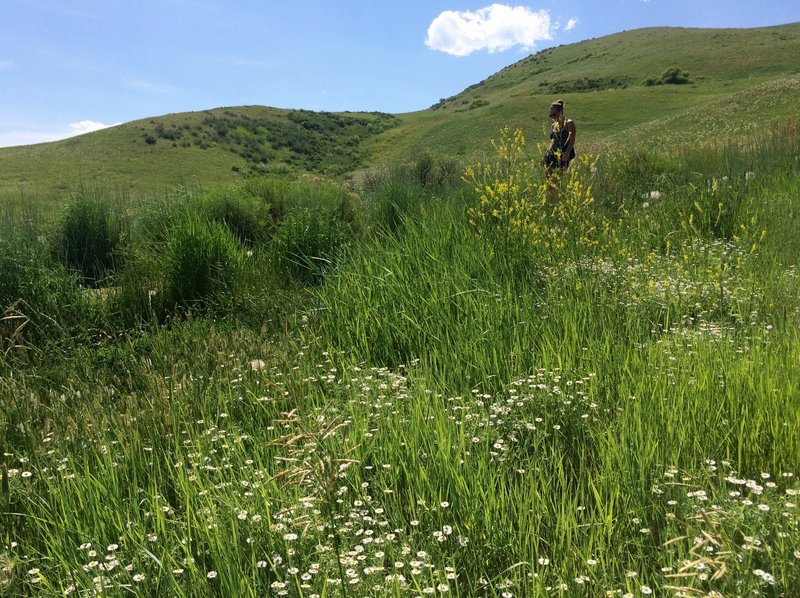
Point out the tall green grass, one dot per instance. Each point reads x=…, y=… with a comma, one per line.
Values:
x=40, y=299
x=202, y=263
x=433, y=415
x=88, y=236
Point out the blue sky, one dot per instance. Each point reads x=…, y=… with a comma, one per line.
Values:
x=71, y=66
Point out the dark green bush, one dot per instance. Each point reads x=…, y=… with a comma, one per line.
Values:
x=671, y=76
x=171, y=134
x=282, y=195
x=272, y=192
x=138, y=298
x=436, y=173
x=88, y=237
x=674, y=76
x=586, y=84
x=424, y=169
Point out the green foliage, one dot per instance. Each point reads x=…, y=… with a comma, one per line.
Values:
x=306, y=244
x=394, y=200
x=629, y=176
x=431, y=290
x=435, y=173
x=185, y=239
x=23, y=293
x=274, y=193
x=39, y=304
x=584, y=84
x=171, y=134
x=282, y=194
x=88, y=236
x=158, y=214
x=672, y=76
x=201, y=263
x=248, y=218
x=314, y=141
x=136, y=302
x=400, y=192
x=720, y=209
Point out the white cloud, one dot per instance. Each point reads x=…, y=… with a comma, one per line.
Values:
x=495, y=28
x=87, y=126
x=571, y=24
x=6, y=65
x=14, y=138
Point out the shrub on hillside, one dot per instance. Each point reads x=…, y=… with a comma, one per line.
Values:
x=435, y=173
x=88, y=236
x=585, y=84
x=671, y=76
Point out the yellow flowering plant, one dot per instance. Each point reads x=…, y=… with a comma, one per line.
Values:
x=520, y=208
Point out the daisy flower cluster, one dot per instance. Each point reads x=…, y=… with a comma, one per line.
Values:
x=727, y=533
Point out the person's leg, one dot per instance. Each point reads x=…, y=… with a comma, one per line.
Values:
x=553, y=176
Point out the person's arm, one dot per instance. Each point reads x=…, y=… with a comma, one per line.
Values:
x=571, y=130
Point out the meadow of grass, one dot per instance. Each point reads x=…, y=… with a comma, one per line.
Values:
x=378, y=392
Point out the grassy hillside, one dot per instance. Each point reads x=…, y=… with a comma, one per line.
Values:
x=208, y=147
x=738, y=81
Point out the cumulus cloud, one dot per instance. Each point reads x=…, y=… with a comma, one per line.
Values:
x=495, y=28
x=87, y=126
x=571, y=24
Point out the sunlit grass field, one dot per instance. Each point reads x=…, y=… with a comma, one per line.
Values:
x=421, y=386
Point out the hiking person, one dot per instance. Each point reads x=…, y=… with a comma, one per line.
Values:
x=562, y=145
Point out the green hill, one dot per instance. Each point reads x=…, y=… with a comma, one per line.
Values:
x=733, y=81
x=738, y=79
x=204, y=148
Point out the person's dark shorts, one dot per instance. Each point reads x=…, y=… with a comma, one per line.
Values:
x=552, y=161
